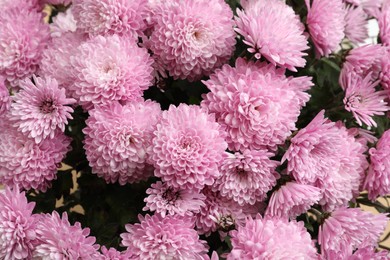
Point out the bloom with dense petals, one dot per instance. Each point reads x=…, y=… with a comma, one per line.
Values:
x=30, y=5
x=347, y=228
x=189, y=40
x=256, y=103
x=258, y=23
x=164, y=238
x=62, y=23
x=41, y=109
x=58, y=239
x=17, y=225
x=378, y=178
x=166, y=200
x=271, y=238
x=5, y=99
x=356, y=29
x=188, y=147
x=247, y=177
x=110, y=68
x=326, y=23
x=292, y=199
x=118, y=140
x=108, y=17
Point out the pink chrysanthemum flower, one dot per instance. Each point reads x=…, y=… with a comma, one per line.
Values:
x=292, y=199
x=347, y=228
x=362, y=100
x=27, y=164
x=368, y=252
x=62, y=23
x=384, y=23
x=326, y=156
x=384, y=74
x=372, y=7
x=113, y=254
x=378, y=178
x=5, y=99
x=110, y=68
x=30, y=5
x=188, y=147
x=118, y=140
x=166, y=200
x=356, y=29
x=17, y=225
x=22, y=42
x=108, y=17
x=326, y=23
x=247, y=177
x=258, y=23
x=58, y=239
x=189, y=40
x=41, y=109
x=244, y=97
x=164, y=238
x=271, y=238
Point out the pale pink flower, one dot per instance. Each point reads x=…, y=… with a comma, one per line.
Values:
x=384, y=23
x=356, y=27
x=5, y=99
x=369, y=252
x=113, y=254
x=384, y=75
x=62, y=23
x=30, y=5
x=258, y=22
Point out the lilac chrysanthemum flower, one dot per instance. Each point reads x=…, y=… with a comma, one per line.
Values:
x=326, y=23
x=58, y=239
x=247, y=177
x=113, y=254
x=189, y=40
x=271, y=238
x=108, y=17
x=244, y=98
x=327, y=156
x=5, y=99
x=347, y=228
x=356, y=29
x=188, y=147
x=110, y=68
x=41, y=109
x=258, y=23
x=22, y=42
x=164, y=238
x=17, y=225
x=63, y=23
x=166, y=200
x=292, y=199
x=118, y=140
x=377, y=182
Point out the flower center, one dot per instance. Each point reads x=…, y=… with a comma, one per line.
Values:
x=171, y=196
x=47, y=106
x=354, y=101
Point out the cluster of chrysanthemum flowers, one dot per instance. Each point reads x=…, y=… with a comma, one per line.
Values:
x=219, y=164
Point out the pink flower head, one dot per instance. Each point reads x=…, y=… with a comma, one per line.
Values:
x=166, y=200
x=378, y=178
x=188, y=147
x=292, y=199
x=258, y=23
x=192, y=37
x=356, y=29
x=111, y=68
x=271, y=238
x=41, y=109
x=29, y=5
x=63, y=23
x=5, y=99
x=17, y=225
x=368, y=252
x=108, y=17
x=347, y=228
x=384, y=74
x=326, y=23
x=244, y=97
x=326, y=156
x=384, y=23
x=164, y=238
x=58, y=239
x=113, y=254
x=247, y=177
x=118, y=140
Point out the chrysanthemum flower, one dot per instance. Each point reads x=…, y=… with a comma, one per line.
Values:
x=256, y=103
x=384, y=23
x=113, y=254
x=188, y=147
x=356, y=29
x=347, y=228
x=292, y=199
x=247, y=177
x=378, y=178
x=369, y=252
x=5, y=99
x=326, y=156
x=258, y=23
x=326, y=23
x=17, y=225
x=30, y=5
x=41, y=109
x=164, y=238
x=189, y=40
x=110, y=68
x=108, y=17
x=166, y=200
x=118, y=140
x=384, y=74
x=271, y=238
x=62, y=23
x=58, y=239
